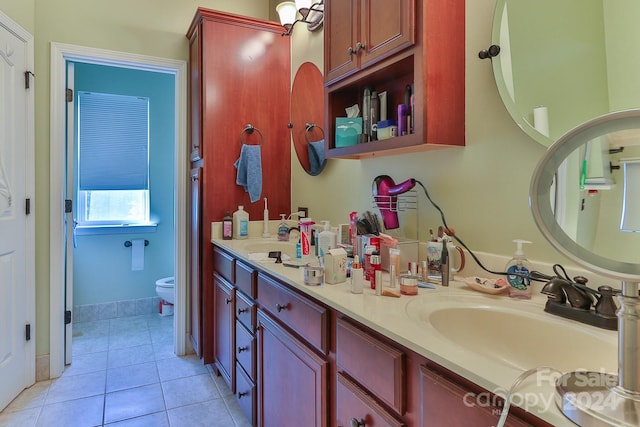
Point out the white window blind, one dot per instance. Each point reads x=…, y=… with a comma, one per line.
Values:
x=114, y=142
x=631, y=198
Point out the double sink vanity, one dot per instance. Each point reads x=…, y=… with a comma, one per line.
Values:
x=325, y=356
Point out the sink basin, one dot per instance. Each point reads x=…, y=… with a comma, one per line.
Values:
x=517, y=333
x=288, y=248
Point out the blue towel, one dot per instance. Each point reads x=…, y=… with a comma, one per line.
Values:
x=249, y=166
x=316, y=157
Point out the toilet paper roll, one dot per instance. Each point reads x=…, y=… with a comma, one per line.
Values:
x=541, y=120
x=137, y=254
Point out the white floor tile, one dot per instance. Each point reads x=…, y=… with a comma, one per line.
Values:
x=134, y=402
x=130, y=356
x=32, y=397
x=212, y=413
x=159, y=419
x=78, y=413
x=86, y=363
x=76, y=387
x=189, y=390
x=179, y=367
x=24, y=418
x=132, y=376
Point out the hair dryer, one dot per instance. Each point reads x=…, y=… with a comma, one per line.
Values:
x=385, y=193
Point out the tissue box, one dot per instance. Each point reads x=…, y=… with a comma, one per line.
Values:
x=408, y=253
x=335, y=266
x=347, y=131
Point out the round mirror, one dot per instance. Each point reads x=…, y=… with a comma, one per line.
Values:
x=307, y=118
x=564, y=62
x=593, y=222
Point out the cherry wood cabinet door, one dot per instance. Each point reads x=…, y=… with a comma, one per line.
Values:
x=224, y=340
x=292, y=379
x=447, y=403
x=354, y=406
x=387, y=26
x=340, y=34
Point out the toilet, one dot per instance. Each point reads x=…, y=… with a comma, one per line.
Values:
x=165, y=288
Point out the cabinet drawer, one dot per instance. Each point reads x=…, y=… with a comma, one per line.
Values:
x=245, y=350
x=246, y=395
x=377, y=366
x=223, y=264
x=246, y=279
x=246, y=311
x=299, y=314
x=355, y=404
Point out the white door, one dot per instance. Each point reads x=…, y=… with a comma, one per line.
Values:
x=17, y=355
x=69, y=219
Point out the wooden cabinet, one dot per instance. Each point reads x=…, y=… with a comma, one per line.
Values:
x=452, y=401
x=292, y=379
x=356, y=407
x=224, y=338
x=420, y=44
x=229, y=56
x=360, y=32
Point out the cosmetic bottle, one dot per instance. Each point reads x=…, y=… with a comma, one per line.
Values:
x=227, y=226
x=445, y=269
x=326, y=239
x=518, y=269
x=283, y=229
x=374, y=116
x=240, y=223
x=366, y=112
x=376, y=266
x=357, y=277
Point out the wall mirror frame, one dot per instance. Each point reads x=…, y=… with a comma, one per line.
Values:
x=567, y=59
x=307, y=118
x=621, y=393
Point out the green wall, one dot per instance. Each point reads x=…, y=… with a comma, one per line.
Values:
x=101, y=263
x=483, y=188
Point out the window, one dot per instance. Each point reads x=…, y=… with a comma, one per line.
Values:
x=113, y=160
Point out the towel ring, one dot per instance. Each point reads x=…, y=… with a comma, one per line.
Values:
x=249, y=129
x=308, y=129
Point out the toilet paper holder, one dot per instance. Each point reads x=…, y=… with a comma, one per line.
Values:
x=127, y=244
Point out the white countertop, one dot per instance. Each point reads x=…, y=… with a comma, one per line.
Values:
x=400, y=319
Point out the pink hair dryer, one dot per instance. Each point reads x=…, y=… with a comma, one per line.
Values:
x=385, y=193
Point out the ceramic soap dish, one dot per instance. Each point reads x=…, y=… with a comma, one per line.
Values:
x=487, y=286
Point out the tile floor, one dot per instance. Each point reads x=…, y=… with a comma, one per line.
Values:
x=124, y=373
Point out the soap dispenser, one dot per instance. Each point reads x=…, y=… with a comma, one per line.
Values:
x=518, y=269
x=283, y=229
x=326, y=239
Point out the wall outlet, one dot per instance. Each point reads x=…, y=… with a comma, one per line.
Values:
x=305, y=210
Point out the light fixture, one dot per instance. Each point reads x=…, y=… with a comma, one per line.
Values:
x=312, y=14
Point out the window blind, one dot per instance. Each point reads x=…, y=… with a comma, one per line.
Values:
x=114, y=142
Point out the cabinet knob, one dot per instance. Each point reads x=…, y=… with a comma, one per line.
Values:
x=228, y=300
x=242, y=310
x=241, y=349
x=357, y=422
x=350, y=51
x=360, y=46
x=280, y=307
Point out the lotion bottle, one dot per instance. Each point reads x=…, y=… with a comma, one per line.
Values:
x=518, y=269
x=240, y=223
x=326, y=239
x=357, y=276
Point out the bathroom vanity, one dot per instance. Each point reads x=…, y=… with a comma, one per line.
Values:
x=329, y=357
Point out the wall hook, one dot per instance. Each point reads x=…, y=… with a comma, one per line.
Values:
x=492, y=51
x=127, y=244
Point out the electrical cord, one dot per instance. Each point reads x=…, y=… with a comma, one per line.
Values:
x=507, y=400
x=455, y=236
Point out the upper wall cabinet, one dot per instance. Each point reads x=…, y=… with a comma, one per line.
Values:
x=397, y=47
x=362, y=32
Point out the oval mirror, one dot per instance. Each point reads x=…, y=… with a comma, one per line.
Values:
x=564, y=62
x=307, y=118
x=593, y=221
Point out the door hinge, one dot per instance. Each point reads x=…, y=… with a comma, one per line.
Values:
x=26, y=78
x=27, y=332
x=68, y=206
x=27, y=206
x=67, y=317
x=69, y=95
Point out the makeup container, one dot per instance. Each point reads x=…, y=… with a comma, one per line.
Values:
x=409, y=284
x=313, y=276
